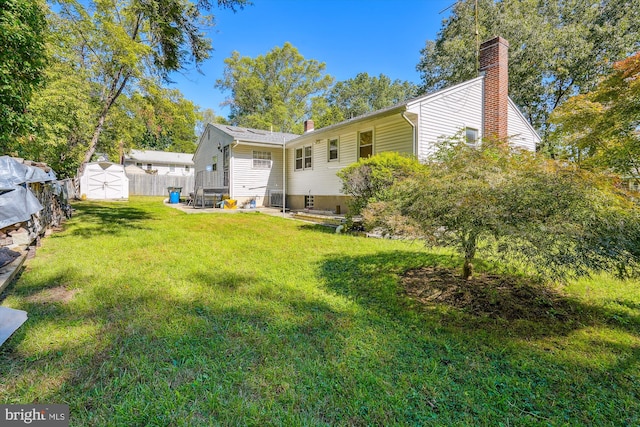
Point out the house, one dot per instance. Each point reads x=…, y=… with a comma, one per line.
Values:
x=159, y=162
x=480, y=108
x=245, y=164
x=252, y=165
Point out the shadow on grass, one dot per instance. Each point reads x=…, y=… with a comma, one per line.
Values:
x=110, y=219
x=285, y=356
x=506, y=305
x=325, y=229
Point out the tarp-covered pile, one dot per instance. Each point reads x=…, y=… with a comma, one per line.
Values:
x=17, y=202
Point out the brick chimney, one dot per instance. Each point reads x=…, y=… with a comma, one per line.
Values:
x=494, y=64
x=308, y=126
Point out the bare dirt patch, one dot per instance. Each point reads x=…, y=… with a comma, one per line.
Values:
x=51, y=295
x=491, y=295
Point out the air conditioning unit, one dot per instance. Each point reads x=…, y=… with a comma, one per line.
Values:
x=276, y=198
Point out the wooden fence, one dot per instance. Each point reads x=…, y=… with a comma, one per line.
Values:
x=156, y=185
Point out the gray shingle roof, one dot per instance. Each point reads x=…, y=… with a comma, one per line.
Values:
x=151, y=156
x=255, y=135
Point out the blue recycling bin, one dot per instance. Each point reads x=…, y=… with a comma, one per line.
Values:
x=174, y=194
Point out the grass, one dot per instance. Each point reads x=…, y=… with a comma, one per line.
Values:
x=142, y=315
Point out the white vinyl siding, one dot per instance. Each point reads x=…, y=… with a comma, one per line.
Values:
x=394, y=135
x=520, y=133
x=208, y=158
x=438, y=116
x=446, y=113
x=250, y=182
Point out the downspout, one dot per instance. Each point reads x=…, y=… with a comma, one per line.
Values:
x=233, y=145
x=413, y=134
x=284, y=177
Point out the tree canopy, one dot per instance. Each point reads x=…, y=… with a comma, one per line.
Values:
x=121, y=42
x=557, y=48
x=360, y=95
x=22, y=63
x=273, y=90
x=168, y=119
x=602, y=128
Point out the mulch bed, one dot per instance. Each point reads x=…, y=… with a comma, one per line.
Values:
x=491, y=295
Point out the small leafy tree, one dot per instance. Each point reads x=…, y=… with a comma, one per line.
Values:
x=600, y=128
x=369, y=180
x=555, y=217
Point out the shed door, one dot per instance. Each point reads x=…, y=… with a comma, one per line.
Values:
x=105, y=184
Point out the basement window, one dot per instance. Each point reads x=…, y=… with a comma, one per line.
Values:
x=309, y=202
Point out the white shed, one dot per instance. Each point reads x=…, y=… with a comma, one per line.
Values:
x=104, y=181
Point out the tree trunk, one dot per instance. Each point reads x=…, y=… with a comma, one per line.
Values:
x=469, y=244
x=467, y=269
x=119, y=82
x=94, y=141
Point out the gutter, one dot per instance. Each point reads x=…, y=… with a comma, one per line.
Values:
x=413, y=133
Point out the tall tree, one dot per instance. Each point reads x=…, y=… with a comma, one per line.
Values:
x=362, y=94
x=206, y=116
x=22, y=61
x=168, y=118
x=272, y=90
x=122, y=41
x=557, y=48
x=602, y=128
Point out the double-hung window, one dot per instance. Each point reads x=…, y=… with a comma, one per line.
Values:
x=304, y=158
x=365, y=144
x=333, y=150
x=262, y=159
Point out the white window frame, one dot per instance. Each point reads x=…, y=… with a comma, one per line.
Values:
x=467, y=139
x=261, y=159
x=310, y=157
x=360, y=146
x=300, y=158
x=337, y=150
x=303, y=158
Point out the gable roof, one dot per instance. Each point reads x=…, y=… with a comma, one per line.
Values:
x=166, y=157
x=396, y=108
x=255, y=135
x=404, y=105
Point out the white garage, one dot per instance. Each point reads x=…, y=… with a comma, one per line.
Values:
x=104, y=181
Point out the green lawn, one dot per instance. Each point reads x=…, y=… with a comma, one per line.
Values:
x=142, y=315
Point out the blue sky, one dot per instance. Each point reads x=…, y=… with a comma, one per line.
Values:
x=349, y=36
